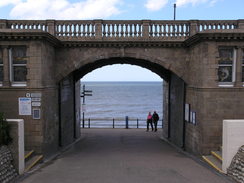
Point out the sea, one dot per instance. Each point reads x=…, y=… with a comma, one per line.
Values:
x=112, y=103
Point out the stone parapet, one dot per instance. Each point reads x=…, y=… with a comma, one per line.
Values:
x=114, y=30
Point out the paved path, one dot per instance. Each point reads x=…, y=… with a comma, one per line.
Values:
x=123, y=156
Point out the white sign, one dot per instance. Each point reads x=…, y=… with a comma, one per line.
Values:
x=35, y=99
x=24, y=106
x=36, y=95
x=28, y=95
x=36, y=104
x=187, y=112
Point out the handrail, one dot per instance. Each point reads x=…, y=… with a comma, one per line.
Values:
x=121, y=30
x=116, y=123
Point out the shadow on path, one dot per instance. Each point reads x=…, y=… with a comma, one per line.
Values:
x=123, y=156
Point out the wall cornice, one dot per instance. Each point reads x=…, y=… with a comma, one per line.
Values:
x=23, y=35
x=34, y=35
x=217, y=36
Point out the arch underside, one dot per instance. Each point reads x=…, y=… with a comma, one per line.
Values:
x=154, y=67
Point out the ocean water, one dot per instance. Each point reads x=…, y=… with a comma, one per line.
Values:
x=116, y=100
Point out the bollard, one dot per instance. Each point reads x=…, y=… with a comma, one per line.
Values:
x=113, y=122
x=126, y=122
x=83, y=121
x=89, y=123
x=137, y=123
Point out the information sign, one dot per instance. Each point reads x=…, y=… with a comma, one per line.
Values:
x=24, y=106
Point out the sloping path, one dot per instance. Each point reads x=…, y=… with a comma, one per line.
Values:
x=123, y=156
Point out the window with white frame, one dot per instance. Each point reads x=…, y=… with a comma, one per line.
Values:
x=1, y=66
x=226, y=65
x=18, y=62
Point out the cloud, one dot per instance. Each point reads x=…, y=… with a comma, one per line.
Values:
x=194, y=2
x=63, y=9
x=155, y=5
x=9, y=2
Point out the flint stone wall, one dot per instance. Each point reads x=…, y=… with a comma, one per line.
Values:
x=236, y=169
x=7, y=171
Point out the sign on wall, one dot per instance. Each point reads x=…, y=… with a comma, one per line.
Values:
x=24, y=106
x=187, y=112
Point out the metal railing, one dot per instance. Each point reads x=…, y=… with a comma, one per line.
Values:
x=117, y=123
x=121, y=30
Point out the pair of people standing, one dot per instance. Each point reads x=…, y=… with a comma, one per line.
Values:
x=152, y=120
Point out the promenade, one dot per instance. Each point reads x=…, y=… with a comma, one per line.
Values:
x=123, y=156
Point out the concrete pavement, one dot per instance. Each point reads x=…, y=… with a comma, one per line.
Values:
x=123, y=156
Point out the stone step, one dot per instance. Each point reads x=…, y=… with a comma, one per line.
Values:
x=214, y=162
x=28, y=154
x=218, y=155
x=32, y=162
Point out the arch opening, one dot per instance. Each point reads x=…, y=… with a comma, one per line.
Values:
x=154, y=67
x=133, y=93
x=173, y=98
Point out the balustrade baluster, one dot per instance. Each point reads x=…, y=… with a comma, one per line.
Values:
x=150, y=30
x=117, y=30
x=156, y=30
x=126, y=30
x=67, y=30
x=226, y=25
x=135, y=31
x=109, y=32
x=75, y=30
x=72, y=30
x=178, y=30
x=79, y=30
x=103, y=30
x=160, y=30
x=122, y=30
x=60, y=30
x=163, y=30
x=139, y=30
x=169, y=30
x=93, y=29
x=84, y=30
x=113, y=32
x=131, y=32
x=88, y=30
x=63, y=30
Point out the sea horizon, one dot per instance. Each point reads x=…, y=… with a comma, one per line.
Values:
x=118, y=99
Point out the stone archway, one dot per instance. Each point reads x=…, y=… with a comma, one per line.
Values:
x=173, y=105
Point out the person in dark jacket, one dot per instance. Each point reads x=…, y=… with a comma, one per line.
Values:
x=149, y=121
x=155, y=119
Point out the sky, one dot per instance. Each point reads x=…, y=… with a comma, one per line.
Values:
x=122, y=10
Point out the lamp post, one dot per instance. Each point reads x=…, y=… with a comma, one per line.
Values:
x=84, y=93
x=174, y=11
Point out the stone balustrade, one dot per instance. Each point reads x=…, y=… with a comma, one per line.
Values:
x=122, y=30
x=217, y=25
